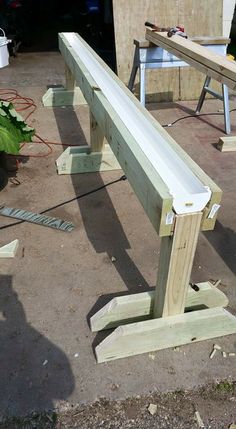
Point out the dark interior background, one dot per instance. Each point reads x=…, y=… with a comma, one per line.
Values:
x=35, y=24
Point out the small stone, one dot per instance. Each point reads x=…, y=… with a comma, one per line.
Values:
x=231, y=354
x=224, y=355
x=76, y=355
x=115, y=386
x=45, y=362
x=113, y=259
x=152, y=409
x=232, y=426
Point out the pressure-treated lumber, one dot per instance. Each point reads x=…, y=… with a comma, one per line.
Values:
x=209, y=63
x=162, y=333
x=149, y=187
x=82, y=159
x=175, y=265
x=200, y=40
x=9, y=250
x=71, y=95
x=227, y=144
x=139, y=306
x=97, y=139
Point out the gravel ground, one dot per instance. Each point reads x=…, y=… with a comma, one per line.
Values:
x=215, y=404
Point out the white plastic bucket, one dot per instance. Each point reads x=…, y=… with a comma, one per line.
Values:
x=4, y=54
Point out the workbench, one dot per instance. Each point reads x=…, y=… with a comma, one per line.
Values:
x=149, y=56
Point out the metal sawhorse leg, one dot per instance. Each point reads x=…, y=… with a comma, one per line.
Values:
x=224, y=97
x=138, y=65
x=148, y=56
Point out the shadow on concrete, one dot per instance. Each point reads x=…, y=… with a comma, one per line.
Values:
x=223, y=240
x=102, y=225
x=34, y=372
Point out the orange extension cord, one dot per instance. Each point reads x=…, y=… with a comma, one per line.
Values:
x=27, y=104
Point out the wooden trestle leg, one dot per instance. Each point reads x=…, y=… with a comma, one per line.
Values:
x=166, y=324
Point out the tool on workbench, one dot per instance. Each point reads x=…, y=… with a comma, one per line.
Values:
x=177, y=30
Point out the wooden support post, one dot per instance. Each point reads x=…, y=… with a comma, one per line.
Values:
x=71, y=95
x=97, y=139
x=70, y=80
x=175, y=266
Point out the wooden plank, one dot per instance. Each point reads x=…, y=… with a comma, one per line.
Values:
x=137, y=307
x=80, y=159
x=70, y=80
x=97, y=139
x=207, y=40
x=71, y=95
x=227, y=144
x=150, y=189
x=202, y=40
x=163, y=333
x=175, y=266
x=204, y=60
x=56, y=97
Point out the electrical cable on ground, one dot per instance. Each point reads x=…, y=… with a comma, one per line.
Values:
x=77, y=197
x=195, y=116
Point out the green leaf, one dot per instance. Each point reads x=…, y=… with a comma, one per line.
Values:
x=13, y=129
x=8, y=143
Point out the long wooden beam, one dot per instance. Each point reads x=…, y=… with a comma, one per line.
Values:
x=204, y=60
x=134, y=157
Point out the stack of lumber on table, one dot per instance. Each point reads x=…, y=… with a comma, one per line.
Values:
x=211, y=64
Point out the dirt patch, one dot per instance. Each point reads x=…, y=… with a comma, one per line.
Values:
x=215, y=404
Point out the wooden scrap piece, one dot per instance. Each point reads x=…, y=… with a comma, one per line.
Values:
x=9, y=250
x=199, y=420
x=152, y=409
x=227, y=144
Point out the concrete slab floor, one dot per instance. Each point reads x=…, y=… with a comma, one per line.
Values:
x=58, y=279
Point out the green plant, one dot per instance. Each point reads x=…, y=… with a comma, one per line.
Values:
x=13, y=129
x=225, y=386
